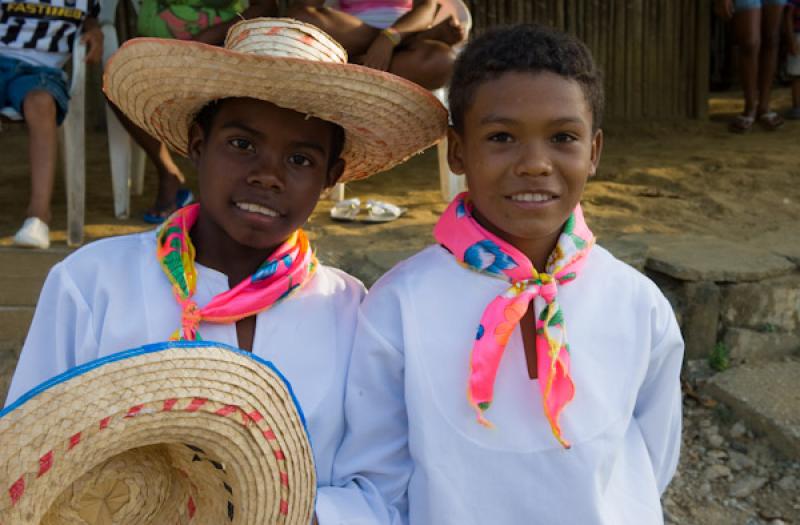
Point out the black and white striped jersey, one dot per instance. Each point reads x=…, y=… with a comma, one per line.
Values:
x=43, y=29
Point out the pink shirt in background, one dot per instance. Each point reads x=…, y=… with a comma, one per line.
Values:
x=377, y=13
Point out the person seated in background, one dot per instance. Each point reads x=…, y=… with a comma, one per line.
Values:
x=205, y=21
x=398, y=36
x=36, y=40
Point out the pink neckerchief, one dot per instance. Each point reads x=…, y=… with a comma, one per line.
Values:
x=284, y=271
x=480, y=251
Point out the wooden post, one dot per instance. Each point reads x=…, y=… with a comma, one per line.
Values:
x=702, y=78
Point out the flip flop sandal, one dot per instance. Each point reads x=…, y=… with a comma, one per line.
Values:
x=346, y=210
x=741, y=124
x=770, y=120
x=379, y=211
x=183, y=197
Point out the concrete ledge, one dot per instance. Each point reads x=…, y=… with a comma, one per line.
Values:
x=767, y=398
x=712, y=259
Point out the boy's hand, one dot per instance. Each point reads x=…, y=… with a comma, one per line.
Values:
x=93, y=38
x=724, y=9
x=379, y=54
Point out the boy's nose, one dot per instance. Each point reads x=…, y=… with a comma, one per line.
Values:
x=534, y=160
x=267, y=173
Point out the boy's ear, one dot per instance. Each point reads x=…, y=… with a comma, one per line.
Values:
x=455, y=151
x=335, y=172
x=597, y=151
x=197, y=139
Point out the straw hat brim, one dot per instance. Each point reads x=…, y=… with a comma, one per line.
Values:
x=167, y=433
x=162, y=84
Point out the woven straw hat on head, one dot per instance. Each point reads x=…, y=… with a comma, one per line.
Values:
x=162, y=84
x=174, y=433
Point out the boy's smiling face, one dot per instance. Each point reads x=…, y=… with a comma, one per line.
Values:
x=527, y=150
x=261, y=169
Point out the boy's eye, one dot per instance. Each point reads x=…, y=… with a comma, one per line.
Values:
x=562, y=138
x=500, y=137
x=242, y=144
x=300, y=160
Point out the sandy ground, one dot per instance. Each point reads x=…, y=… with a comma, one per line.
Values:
x=655, y=177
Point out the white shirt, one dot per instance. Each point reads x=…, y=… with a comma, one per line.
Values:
x=112, y=295
x=43, y=32
x=410, y=426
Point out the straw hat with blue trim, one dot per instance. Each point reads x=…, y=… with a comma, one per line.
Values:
x=161, y=85
x=188, y=432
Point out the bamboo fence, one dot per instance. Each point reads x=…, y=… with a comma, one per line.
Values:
x=654, y=53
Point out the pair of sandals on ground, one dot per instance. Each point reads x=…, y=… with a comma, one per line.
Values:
x=769, y=120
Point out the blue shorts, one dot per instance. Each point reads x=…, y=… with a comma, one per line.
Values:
x=18, y=78
x=744, y=5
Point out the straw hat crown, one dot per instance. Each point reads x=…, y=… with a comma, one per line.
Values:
x=162, y=84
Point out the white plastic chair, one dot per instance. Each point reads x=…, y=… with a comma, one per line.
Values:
x=450, y=184
x=126, y=157
x=72, y=136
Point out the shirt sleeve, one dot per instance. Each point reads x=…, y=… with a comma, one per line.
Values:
x=373, y=466
x=61, y=328
x=659, y=403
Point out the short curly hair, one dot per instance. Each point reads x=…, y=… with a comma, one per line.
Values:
x=524, y=48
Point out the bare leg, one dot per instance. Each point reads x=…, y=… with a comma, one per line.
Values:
x=354, y=35
x=427, y=63
x=170, y=177
x=747, y=31
x=770, y=41
x=39, y=110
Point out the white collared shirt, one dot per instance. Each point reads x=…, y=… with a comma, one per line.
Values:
x=414, y=452
x=112, y=295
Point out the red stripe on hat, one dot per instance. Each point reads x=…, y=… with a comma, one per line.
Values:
x=45, y=463
x=74, y=440
x=196, y=404
x=284, y=507
x=104, y=422
x=279, y=455
x=284, y=479
x=168, y=404
x=191, y=507
x=132, y=411
x=269, y=434
x=227, y=410
x=255, y=416
x=17, y=490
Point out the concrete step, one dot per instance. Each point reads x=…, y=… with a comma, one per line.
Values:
x=767, y=398
x=14, y=324
x=30, y=263
x=22, y=273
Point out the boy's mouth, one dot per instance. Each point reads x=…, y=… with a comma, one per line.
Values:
x=257, y=208
x=533, y=197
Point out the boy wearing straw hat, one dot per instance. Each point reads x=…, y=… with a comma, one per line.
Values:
x=269, y=121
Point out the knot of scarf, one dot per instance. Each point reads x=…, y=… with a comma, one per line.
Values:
x=481, y=251
x=289, y=267
x=190, y=318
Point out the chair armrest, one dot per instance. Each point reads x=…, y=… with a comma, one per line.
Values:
x=78, y=80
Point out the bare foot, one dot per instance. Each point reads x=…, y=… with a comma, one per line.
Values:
x=450, y=31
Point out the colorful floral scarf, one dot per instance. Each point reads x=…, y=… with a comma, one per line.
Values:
x=479, y=250
x=284, y=271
